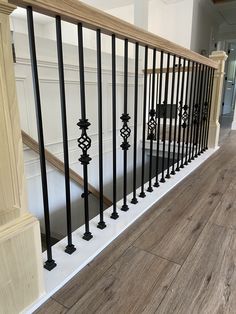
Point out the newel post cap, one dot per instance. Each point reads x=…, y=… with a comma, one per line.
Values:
x=218, y=56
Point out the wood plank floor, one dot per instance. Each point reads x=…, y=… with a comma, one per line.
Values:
x=180, y=257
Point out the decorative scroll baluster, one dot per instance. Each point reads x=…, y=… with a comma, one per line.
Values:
x=84, y=140
x=185, y=115
x=70, y=247
x=114, y=214
x=180, y=116
x=189, y=123
x=152, y=122
x=199, y=108
x=195, y=84
x=142, y=193
x=205, y=109
x=202, y=110
x=125, y=130
x=50, y=263
x=196, y=109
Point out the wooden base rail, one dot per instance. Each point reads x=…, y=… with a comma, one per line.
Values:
x=59, y=165
x=75, y=12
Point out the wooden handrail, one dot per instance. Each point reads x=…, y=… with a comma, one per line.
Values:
x=75, y=11
x=58, y=164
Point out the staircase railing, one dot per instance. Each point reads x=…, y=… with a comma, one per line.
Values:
x=184, y=81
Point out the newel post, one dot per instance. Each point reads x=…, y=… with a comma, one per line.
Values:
x=214, y=129
x=21, y=277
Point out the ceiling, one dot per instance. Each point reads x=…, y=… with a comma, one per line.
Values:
x=227, y=10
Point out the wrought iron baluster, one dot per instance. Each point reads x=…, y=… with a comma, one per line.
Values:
x=202, y=109
x=196, y=74
x=50, y=263
x=125, y=130
x=70, y=247
x=199, y=109
x=176, y=116
x=134, y=199
x=180, y=116
x=210, y=104
x=164, y=117
x=185, y=115
x=84, y=140
x=196, y=109
x=142, y=193
x=158, y=113
x=205, y=109
x=152, y=122
x=190, y=115
x=114, y=214
x=171, y=118
x=101, y=224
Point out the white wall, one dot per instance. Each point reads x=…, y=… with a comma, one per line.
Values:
x=171, y=21
x=204, y=28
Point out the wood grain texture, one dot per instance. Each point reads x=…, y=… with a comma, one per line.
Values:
x=206, y=283
x=59, y=165
x=107, y=277
x=75, y=11
x=82, y=282
x=51, y=307
x=136, y=283
x=225, y=213
x=173, y=234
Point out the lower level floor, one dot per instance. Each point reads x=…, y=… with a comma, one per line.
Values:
x=179, y=257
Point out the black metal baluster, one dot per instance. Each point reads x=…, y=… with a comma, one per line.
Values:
x=210, y=100
x=158, y=115
x=70, y=247
x=101, y=224
x=125, y=130
x=114, y=214
x=142, y=193
x=185, y=114
x=164, y=117
x=180, y=116
x=176, y=117
x=205, y=109
x=202, y=109
x=196, y=109
x=152, y=122
x=84, y=140
x=50, y=263
x=149, y=99
x=134, y=199
x=171, y=114
x=189, y=124
x=199, y=110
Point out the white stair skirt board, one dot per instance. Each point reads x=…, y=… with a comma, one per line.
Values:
x=69, y=265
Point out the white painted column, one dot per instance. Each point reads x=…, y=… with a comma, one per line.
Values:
x=214, y=129
x=21, y=276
